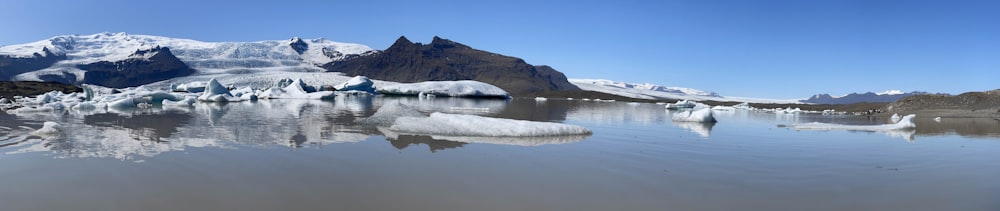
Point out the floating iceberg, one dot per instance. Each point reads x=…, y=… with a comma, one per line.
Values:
x=723, y=108
x=446, y=88
x=48, y=129
x=683, y=104
x=215, y=92
x=700, y=115
x=186, y=102
x=895, y=118
x=358, y=83
x=192, y=87
x=904, y=123
x=296, y=90
x=471, y=125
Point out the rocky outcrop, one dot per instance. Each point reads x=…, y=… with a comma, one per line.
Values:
x=142, y=67
x=989, y=101
x=9, y=89
x=445, y=60
x=11, y=66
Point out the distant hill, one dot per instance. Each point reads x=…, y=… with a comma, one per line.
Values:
x=868, y=97
x=988, y=101
x=446, y=60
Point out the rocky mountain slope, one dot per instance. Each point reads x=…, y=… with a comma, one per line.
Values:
x=142, y=67
x=443, y=59
x=982, y=101
x=868, y=97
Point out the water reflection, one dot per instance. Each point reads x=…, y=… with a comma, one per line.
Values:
x=704, y=129
x=127, y=134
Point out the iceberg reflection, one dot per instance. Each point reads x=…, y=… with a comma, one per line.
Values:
x=704, y=129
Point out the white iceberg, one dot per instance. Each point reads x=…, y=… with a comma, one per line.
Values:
x=724, y=108
x=700, y=115
x=186, y=102
x=682, y=104
x=358, y=83
x=540, y=99
x=471, y=125
x=48, y=129
x=215, y=92
x=895, y=118
x=905, y=123
x=297, y=89
x=446, y=88
x=192, y=87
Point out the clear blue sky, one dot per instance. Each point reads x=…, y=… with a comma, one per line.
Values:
x=768, y=48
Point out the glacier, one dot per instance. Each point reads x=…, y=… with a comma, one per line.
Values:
x=656, y=92
x=466, y=88
x=207, y=58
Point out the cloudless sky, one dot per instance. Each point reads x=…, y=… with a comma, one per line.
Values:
x=765, y=48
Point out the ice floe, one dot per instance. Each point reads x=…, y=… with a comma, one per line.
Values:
x=446, y=88
x=906, y=122
x=358, y=83
x=699, y=115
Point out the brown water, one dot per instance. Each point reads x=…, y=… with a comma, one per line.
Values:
x=309, y=155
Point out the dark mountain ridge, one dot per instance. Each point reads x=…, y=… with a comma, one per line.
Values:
x=868, y=97
x=12, y=66
x=446, y=60
x=142, y=67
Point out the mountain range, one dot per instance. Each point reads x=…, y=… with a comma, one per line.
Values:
x=869, y=97
x=123, y=60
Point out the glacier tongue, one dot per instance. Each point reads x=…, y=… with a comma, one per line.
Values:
x=205, y=57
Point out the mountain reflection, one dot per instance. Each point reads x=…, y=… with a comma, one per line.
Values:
x=129, y=134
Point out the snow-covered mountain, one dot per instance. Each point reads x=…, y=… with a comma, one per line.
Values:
x=881, y=97
x=658, y=92
x=207, y=58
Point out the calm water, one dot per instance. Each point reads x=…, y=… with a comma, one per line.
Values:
x=287, y=154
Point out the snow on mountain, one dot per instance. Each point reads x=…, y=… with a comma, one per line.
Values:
x=891, y=92
x=657, y=92
x=205, y=57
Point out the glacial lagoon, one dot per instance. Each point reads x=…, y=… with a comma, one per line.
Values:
x=311, y=155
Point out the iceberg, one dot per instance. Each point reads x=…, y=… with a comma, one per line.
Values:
x=465, y=88
x=215, y=92
x=193, y=87
x=904, y=123
x=682, y=104
x=186, y=102
x=296, y=90
x=700, y=115
x=443, y=124
x=895, y=118
x=724, y=108
x=49, y=129
x=358, y=83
